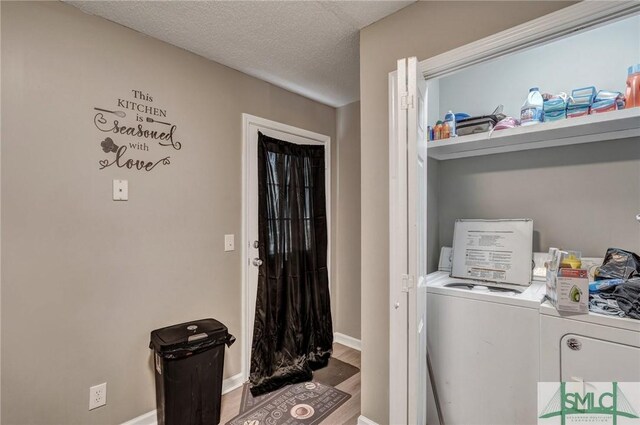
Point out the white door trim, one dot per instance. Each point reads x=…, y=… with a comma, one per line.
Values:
x=248, y=123
x=398, y=245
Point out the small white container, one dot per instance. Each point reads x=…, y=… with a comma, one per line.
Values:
x=450, y=120
x=532, y=111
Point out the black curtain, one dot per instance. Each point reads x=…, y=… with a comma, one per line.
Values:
x=292, y=332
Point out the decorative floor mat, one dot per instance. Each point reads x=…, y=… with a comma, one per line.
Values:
x=333, y=374
x=306, y=403
x=249, y=401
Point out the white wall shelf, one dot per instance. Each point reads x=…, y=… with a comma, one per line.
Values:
x=591, y=128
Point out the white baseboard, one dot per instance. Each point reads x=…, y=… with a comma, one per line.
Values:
x=347, y=340
x=363, y=420
x=150, y=418
x=232, y=383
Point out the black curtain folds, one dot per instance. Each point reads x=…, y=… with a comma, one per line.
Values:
x=293, y=332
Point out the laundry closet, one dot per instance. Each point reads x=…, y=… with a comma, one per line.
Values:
x=575, y=175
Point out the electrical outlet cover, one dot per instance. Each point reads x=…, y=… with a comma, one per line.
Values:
x=97, y=396
x=120, y=190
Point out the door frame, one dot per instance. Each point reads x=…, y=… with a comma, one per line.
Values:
x=564, y=22
x=407, y=260
x=398, y=250
x=248, y=122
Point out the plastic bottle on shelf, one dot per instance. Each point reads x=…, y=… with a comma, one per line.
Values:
x=450, y=121
x=437, y=130
x=532, y=111
x=633, y=87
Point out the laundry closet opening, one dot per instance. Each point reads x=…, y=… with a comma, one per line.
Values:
x=465, y=148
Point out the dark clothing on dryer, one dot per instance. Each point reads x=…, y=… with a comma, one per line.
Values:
x=599, y=305
x=627, y=296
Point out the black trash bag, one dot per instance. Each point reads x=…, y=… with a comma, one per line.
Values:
x=619, y=264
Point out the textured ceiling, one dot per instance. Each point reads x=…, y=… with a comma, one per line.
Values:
x=308, y=47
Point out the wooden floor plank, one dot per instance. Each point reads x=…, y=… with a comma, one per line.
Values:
x=346, y=354
x=348, y=413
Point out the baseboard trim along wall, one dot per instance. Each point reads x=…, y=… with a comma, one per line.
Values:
x=232, y=383
x=150, y=418
x=347, y=340
x=363, y=420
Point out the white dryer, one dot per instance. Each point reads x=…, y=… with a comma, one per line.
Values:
x=483, y=342
x=588, y=347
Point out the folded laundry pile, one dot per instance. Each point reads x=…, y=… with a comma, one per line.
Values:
x=626, y=295
x=616, y=290
x=598, y=304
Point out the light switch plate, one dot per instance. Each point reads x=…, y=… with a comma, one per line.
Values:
x=229, y=243
x=120, y=190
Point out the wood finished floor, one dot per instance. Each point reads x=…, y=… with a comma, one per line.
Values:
x=346, y=414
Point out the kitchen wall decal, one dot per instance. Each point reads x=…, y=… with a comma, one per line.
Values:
x=151, y=130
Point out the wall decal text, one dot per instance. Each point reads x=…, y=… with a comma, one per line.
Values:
x=143, y=136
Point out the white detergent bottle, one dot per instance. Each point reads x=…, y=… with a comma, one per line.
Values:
x=532, y=111
x=450, y=120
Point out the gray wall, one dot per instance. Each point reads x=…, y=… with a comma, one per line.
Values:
x=582, y=60
x=423, y=29
x=348, y=225
x=580, y=197
x=84, y=278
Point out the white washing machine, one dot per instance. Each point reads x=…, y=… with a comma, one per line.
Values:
x=588, y=347
x=483, y=342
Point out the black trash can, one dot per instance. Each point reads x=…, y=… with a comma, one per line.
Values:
x=189, y=360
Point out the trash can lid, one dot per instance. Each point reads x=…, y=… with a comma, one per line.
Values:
x=188, y=334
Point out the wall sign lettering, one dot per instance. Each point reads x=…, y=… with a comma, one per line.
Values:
x=124, y=140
